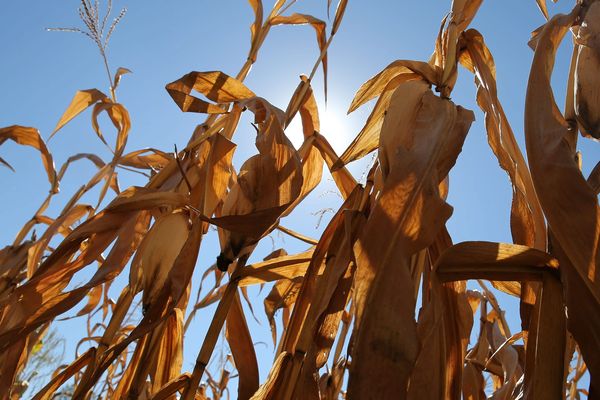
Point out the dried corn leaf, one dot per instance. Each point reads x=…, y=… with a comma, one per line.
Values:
x=82, y=100
x=509, y=362
x=274, y=269
x=10, y=361
x=331, y=319
x=268, y=182
x=594, y=179
x=215, y=85
x=47, y=392
x=569, y=203
x=297, y=235
x=213, y=168
x=339, y=15
x=94, y=297
x=341, y=176
x=154, y=258
x=22, y=315
x=447, y=43
x=168, y=351
x=444, y=325
x=275, y=380
x=547, y=341
x=299, y=333
x=282, y=295
x=171, y=387
x=40, y=299
x=543, y=7
x=253, y=225
x=380, y=83
x=322, y=320
x=367, y=139
x=120, y=119
x=256, y=26
x=494, y=261
x=98, y=162
x=13, y=263
x=137, y=159
x=472, y=383
x=333, y=286
x=31, y=137
x=586, y=86
x=240, y=342
x=212, y=335
x=63, y=222
x=159, y=308
x=127, y=387
x=304, y=315
x=527, y=220
x=410, y=213
x=312, y=161
x=139, y=198
x=463, y=12
x=118, y=75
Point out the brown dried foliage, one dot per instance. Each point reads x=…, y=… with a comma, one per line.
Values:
x=386, y=244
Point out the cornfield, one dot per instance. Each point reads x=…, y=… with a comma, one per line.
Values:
x=379, y=306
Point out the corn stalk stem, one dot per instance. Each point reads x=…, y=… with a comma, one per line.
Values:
x=212, y=335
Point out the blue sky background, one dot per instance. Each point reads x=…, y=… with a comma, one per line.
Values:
x=160, y=41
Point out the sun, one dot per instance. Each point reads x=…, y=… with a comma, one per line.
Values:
x=333, y=127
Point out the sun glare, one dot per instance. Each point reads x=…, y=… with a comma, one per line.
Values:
x=333, y=127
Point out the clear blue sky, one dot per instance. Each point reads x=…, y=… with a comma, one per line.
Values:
x=161, y=41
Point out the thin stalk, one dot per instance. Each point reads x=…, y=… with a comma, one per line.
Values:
x=294, y=108
x=113, y=95
x=297, y=235
x=284, y=9
x=134, y=170
x=212, y=335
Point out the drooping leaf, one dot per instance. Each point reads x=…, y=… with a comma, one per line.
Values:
x=256, y=26
x=569, y=203
x=380, y=83
x=215, y=85
x=31, y=137
x=82, y=100
x=585, y=85
x=118, y=75
x=47, y=391
x=240, y=342
x=367, y=139
x=527, y=221
x=339, y=14
x=342, y=177
x=98, y=162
